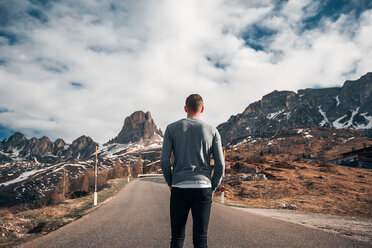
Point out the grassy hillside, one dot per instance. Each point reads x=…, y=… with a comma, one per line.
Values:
x=296, y=172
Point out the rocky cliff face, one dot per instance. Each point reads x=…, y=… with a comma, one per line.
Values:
x=348, y=106
x=138, y=133
x=18, y=148
x=81, y=148
x=138, y=126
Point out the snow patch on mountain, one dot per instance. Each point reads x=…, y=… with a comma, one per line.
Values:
x=337, y=100
x=275, y=114
x=350, y=123
x=27, y=174
x=287, y=115
x=111, y=150
x=337, y=123
x=325, y=120
x=365, y=126
x=116, y=149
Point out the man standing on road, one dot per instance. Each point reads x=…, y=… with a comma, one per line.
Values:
x=192, y=142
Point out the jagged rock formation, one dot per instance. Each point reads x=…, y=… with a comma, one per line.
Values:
x=81, y=148
x=18, y=148
x=59, y=147
x=138, y=133
x=16, y=141
x=348, y=106
x=138, y=126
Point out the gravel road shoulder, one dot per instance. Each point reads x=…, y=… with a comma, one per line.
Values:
x=356, y=228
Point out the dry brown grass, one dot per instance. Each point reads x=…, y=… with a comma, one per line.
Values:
x=312, y=187
x=17, y=227
x=293, y=164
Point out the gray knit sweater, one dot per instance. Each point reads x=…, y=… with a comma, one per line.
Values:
x=192, y=142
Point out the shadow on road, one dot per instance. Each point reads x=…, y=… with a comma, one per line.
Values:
x=154, y=180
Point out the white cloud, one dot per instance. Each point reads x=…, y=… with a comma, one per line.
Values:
x=151, y=55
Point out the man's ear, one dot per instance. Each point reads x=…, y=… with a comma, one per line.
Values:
x=185, y=108
x=202, y=109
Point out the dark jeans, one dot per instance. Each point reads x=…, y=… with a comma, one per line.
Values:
x=199, y=201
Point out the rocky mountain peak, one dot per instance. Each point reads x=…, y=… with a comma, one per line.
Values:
x=81, y=148
x=348, y=106
x=137, y=118
x=59, y=147
x=38, y=147
x=17, y=138
x=59, y=143
x=82, y=142
x=367, y=76
x=16, y=141
x=276, y=100
x=137, y=126
x=359, y=91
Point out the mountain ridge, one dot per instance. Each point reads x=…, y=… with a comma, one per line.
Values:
x=17, y=148
x=139, y=132
x=139, y=125
x=347, y=106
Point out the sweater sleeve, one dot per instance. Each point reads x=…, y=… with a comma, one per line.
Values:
x=165, y=157
x=219, y=162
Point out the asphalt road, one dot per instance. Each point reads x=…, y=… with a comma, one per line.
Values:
x=138, y=216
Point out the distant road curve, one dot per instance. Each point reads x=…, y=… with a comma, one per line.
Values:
x=150, y=175
x=138, y=217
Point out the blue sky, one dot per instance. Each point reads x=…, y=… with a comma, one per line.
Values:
x=69, y=68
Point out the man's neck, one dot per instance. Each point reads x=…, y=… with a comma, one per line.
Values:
x=193, y=115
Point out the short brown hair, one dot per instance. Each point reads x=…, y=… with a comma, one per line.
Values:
x=194, y=103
